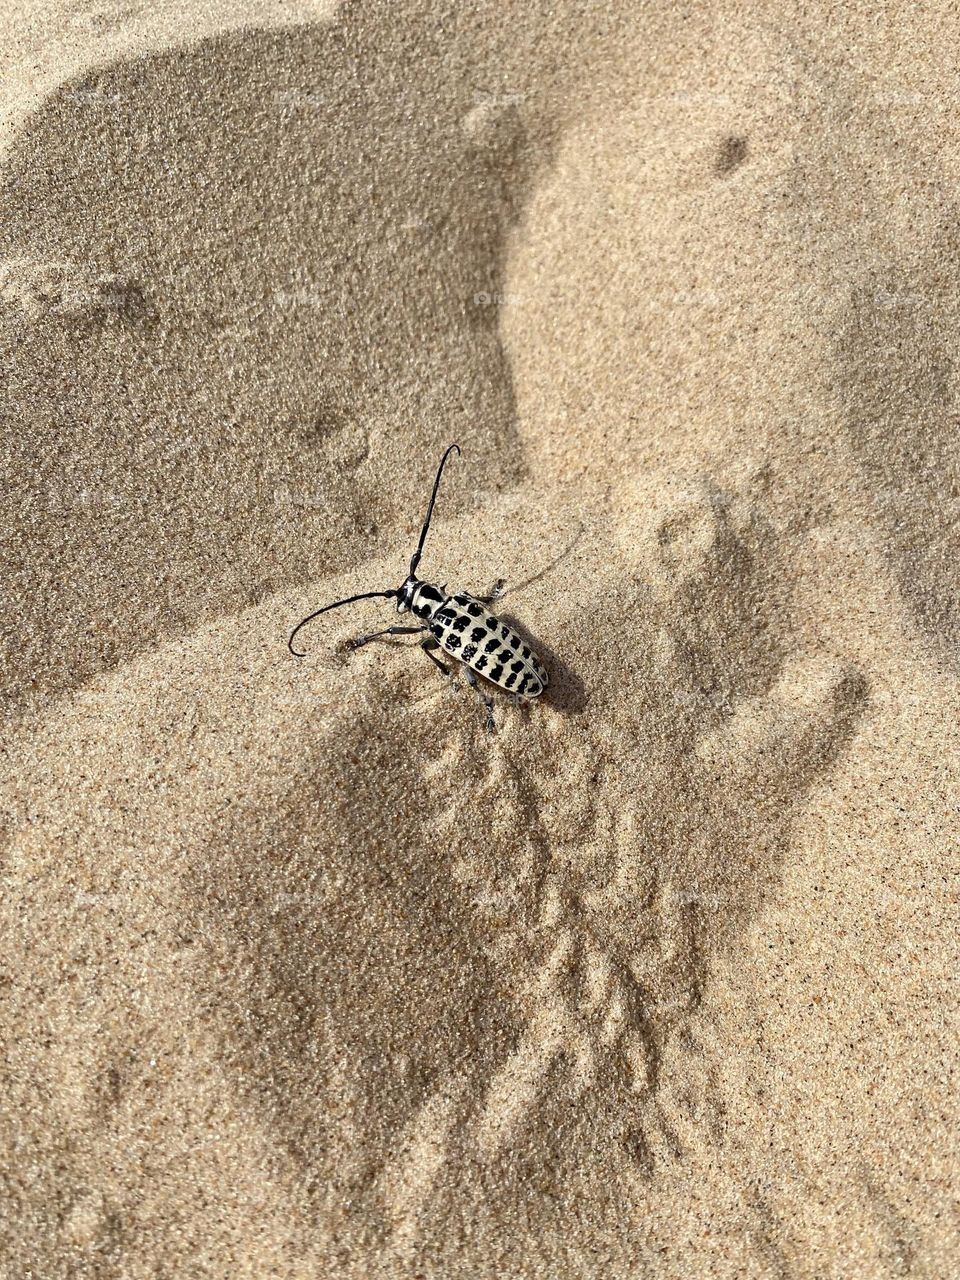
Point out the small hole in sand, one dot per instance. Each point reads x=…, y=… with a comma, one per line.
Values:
x=325, y=420
x=731, y=155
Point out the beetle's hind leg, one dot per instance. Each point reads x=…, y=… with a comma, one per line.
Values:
x=360, y=641
x=428, y=646
x=484, y=697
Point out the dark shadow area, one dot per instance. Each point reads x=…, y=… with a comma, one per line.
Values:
x=255, y=286
x=512, y=588
x=321, y=944
x=896, y=382
x=566, y=691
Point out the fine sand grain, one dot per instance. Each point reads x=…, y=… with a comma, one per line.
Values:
x=306, y=975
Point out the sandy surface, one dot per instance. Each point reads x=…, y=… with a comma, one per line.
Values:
x=306, y=975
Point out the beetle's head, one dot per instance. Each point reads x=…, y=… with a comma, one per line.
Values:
x=423, y=599
x=406, y=593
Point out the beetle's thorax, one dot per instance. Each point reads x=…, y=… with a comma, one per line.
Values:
x=423, y=599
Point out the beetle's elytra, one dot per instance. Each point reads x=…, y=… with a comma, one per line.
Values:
x=458, y=624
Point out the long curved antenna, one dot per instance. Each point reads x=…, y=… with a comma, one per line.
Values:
x=433, y=497
x=367, y=595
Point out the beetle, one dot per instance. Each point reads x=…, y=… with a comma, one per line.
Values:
x=458, y=624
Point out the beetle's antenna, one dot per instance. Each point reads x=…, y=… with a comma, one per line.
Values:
x=426, y=523
x=367, y=595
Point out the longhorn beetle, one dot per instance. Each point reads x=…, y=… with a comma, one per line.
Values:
x=458, y=624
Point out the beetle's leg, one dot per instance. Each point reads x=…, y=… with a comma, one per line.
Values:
x=494, y=594
x=484, y=697
x=375, y=635
x=427, y=646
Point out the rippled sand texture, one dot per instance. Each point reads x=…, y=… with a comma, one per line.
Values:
x=307, y=975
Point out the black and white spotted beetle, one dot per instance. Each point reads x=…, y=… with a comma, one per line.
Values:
x=458, y=624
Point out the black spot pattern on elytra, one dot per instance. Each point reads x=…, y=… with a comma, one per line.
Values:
x=505, y=656
x=516, y=666
x=481, y=662
x=496, y=672
x=451, y=641
x=474, y=609
x=491, y=645
x=526, y=652
x=461, y=623
x=523, y=683
x=509, y=680
x=468, y=651
x=477, y=634
x=514, y=642
x=444, y=615
x=534, y=689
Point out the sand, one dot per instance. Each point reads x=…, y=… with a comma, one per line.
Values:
x=304, y=973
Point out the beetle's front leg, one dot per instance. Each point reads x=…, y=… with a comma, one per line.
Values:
x=428, y=646
x=360, y=641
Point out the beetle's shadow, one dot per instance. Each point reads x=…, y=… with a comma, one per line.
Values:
x=566, y=691
x=542, y=573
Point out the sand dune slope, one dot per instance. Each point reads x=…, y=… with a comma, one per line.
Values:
x=235, y=898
